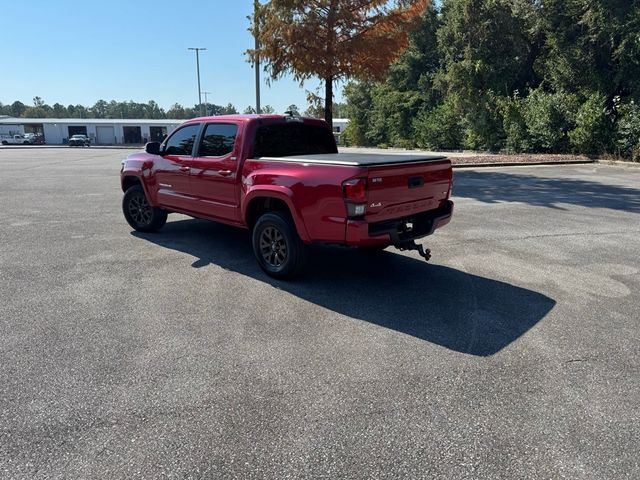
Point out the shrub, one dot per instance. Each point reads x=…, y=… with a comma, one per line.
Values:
x=439, y=128
x=593, y=128
x=549, y=118
x=628, y=131
x=512, y=110
x=483, y=124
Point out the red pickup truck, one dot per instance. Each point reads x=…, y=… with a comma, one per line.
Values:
x=282, y=178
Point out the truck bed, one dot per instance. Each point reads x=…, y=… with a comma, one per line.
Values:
x=358, y=159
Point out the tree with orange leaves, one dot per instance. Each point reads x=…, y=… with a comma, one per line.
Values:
x=332, y=39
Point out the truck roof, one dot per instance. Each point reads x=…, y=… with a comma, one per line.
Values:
x=358, y=159
x=247, y=117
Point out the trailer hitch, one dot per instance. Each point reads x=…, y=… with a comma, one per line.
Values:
x=409, y=246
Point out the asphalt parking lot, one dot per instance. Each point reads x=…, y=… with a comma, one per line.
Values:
x=514, y=354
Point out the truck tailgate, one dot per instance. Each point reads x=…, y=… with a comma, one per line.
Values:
x=396, y=191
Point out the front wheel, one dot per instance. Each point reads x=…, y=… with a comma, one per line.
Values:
x=139, y=213
x=277, y=246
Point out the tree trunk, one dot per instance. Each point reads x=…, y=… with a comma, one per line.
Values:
x=328, y=101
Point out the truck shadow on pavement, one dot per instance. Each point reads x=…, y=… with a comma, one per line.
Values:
x=448, y=307
x=494, y=187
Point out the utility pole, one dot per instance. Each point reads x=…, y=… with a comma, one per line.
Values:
x=206, y=103
x=256, y=59
x=197, y=50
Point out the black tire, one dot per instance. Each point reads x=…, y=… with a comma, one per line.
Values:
x=277, y=246
x=139, y=214
x=4, y=142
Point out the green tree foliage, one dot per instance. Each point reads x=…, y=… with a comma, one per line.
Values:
x=17, y=109
x=99, y=109
x=383, y=113
x=177, y=111
x=549, y=118
x=439, y=128
x=112, y=109
x=486, y=51
x=293, y=109
x=332, y=39
x=628, y=134
x=516, y=75
x=264, y=109
x=592, y=45
x=316, y=106
x=594, y=129
x=359, y=98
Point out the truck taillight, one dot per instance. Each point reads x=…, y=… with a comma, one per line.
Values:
x=355, y=195
x=355, y=190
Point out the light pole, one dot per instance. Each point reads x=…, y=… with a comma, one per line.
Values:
x=206, y=103
x=256, y=58
x=197, y=50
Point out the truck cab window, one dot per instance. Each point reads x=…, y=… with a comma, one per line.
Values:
x=289, y=139
x=218, y=140
x=182, y=141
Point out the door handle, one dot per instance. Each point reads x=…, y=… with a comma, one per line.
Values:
x=225, y=173
x=184, y=168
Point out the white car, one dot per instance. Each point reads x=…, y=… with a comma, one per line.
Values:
x=79, y=141
x=16, y=140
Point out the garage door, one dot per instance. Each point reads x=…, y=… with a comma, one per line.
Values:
x=106, y=135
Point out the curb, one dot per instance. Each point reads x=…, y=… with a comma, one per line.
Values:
x=515, y=164
x=620, y=163
x=57, y=147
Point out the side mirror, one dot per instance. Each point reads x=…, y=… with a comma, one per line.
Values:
x=152, y=148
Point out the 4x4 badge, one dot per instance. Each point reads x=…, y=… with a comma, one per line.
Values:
x=375, y=205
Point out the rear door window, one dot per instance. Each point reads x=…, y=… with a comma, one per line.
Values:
x=218, y=140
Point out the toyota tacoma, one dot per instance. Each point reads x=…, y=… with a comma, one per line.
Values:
x=282, y=178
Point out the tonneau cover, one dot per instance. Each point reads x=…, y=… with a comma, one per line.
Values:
x=358, y=159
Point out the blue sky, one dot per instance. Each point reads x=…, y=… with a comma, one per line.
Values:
x=79, y=52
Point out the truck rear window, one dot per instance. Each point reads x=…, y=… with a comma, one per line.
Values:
x=289, y=139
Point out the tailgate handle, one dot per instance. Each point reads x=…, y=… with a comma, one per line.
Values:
x=415, y=182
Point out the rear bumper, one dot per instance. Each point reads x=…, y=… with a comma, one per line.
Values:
x=413, y=227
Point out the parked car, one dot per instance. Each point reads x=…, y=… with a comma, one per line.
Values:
x=15, y=140
x=79, y=141
x=282, y=178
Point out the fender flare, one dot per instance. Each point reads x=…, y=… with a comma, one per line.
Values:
x=280, y=193
x=137, y=174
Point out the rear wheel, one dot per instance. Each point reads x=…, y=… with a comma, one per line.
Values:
x=139, y=213
x=277, y=246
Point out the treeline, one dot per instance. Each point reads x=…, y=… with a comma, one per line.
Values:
x=114, y=109
x=149, y=110
x=517, y=75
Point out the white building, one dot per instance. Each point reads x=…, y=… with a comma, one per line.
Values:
x=339, y=124
x=57, y=131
